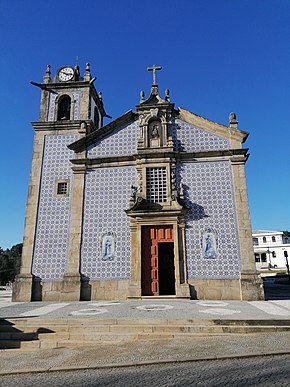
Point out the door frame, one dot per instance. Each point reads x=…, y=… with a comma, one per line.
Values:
x=153, y=235
x=136, y=223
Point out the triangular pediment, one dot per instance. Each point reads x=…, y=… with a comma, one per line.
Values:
x=236, y=136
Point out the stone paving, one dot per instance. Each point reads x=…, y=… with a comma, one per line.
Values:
x=149, y=351
x=157, y=308
x=266, y=371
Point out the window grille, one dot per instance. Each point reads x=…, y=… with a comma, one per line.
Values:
x=156, y=185
x=62, y=188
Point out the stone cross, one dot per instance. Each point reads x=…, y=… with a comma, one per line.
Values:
x=154, y=68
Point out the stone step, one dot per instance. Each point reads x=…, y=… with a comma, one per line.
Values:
x=20, y=336
x=27, y=334
x=72, y=322
x=32, y=330
x=22, y=345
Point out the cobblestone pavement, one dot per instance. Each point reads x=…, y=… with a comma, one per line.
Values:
x=258, y=372
x=144, y=352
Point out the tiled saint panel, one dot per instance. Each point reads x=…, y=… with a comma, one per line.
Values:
x=107, y=195
x=52, y=231
x=208, y=189
x=52, y=106
x=123, y=142
x=187, y=137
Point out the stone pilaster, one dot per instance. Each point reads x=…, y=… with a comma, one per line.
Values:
x=23, y=284
x=135, y=281
x=181, y=285
x=251, y=283
x=71, y=281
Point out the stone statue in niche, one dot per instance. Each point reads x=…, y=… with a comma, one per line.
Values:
x=108, y=246
x=209, y=244
x=155, y=133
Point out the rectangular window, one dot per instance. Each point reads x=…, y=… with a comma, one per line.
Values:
x=255, y=241
x=156, y=185
x=62, y=188
x=257, y=257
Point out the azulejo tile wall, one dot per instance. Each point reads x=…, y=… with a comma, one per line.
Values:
x=209, y=196
x=189, y=138
x=107, y=194
x=121, y=143
x=51, y=109
x=52, y=106
x=52, y=231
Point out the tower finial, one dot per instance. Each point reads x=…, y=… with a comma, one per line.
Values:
x=233, y=123
x=87, y=76
x=47, y=77
x=154, y=68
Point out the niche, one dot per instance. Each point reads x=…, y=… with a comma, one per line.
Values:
x=155, y=133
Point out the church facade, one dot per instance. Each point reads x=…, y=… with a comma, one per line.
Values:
x=152, y=204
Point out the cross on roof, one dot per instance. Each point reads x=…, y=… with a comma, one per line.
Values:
x=154, y=68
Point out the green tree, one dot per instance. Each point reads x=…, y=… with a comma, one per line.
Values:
x=10, y=260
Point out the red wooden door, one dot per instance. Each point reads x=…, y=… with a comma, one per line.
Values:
x=151, y=236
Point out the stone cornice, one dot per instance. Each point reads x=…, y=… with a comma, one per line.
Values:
x=214, y=127
x=57, y=125
x=234, y=155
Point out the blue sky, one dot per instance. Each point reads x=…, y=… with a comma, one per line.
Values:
x=218, y=56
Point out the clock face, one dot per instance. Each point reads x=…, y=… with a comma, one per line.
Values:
x=65, y=74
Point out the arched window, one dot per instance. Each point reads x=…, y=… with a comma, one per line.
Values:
x=64, y=105
x=96, y=117
x=264, y=239
x=273, y=239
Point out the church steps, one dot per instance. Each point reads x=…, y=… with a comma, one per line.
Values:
x=34, y=333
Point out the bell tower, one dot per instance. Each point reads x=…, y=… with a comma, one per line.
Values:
x=68, y=97
x=70, y=109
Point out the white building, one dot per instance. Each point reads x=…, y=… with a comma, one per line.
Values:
x=269, y=248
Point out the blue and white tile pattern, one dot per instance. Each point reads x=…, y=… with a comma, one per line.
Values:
x=52, y=233
x=189, y=138
x=106, y=197
x=123, y=142
x=208, y=190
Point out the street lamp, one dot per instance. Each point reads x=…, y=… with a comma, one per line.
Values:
x=287, y=264
x=269, y=252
